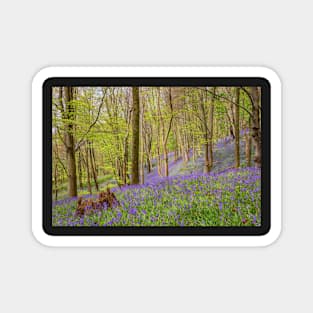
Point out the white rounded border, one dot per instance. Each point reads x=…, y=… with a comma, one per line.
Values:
x=157, y=241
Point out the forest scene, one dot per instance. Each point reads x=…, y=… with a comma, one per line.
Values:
x=156, y=156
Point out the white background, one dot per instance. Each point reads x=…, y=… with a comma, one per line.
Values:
x=35, y=34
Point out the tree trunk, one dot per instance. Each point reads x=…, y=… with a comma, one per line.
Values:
x=187, y=148
x=69, y=141
x=135, y=138
x=88, y=172
x=80, y=172
x=256, y=129
x=248, y=150
x=125, y=162
x=165, y=156
x=178, y=100
x=237, y=133
x=148, y=164
x=176, y=148
x=166, y=136
x=56, y=186
x=125, y=155
x=93, y=166
x=159, y=162
x=211, y=121
x=148, y=147
x=206, y=168
x=248, y=145
x=142, y=152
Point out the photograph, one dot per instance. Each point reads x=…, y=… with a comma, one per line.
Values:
x=156, y=156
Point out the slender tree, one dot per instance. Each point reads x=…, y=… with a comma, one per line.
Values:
x=69, y=141
x=166, y=135
x=211, y=123
x=205, y=131
x=237, y=125
x=256, y=127
x=135, y=137
x=248, y=144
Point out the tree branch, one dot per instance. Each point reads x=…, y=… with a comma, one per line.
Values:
x=248, y=94
x=222, y=97
x=80, y=142
x=60, y=161
x=64, y=143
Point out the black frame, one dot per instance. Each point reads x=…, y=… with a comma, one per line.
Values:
x=157, y=230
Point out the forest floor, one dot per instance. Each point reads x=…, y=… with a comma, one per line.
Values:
x=224, y=197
